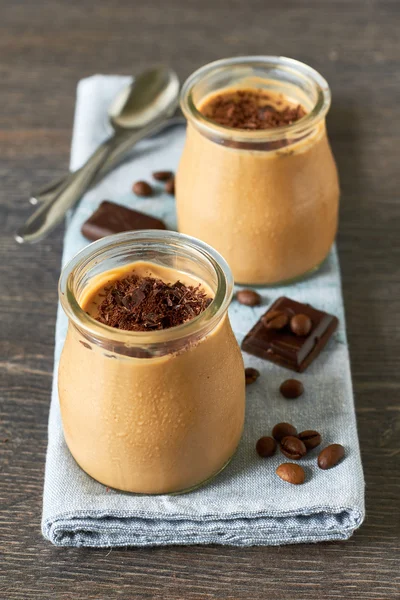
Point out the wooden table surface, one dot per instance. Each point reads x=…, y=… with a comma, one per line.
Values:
x=46, y=46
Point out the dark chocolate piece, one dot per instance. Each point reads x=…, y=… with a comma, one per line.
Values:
x=112, y=218
x=283, y=346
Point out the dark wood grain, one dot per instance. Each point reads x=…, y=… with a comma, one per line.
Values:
x=45, y=47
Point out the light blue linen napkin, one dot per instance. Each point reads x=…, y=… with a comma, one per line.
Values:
x=247, y=504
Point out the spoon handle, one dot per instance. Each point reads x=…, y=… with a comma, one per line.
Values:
x=57, y=185
x=51, y=212
x=116, y=156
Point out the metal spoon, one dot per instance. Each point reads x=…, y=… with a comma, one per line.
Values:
x=142, y=106
x=115, y=157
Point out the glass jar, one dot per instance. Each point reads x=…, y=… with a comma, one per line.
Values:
x=267, y=200
x=151, y=412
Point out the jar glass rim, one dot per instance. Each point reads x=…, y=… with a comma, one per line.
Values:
x=93, y=253
x=289, y=65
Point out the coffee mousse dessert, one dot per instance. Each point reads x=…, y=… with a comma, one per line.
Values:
x=257, y=180
x=143, y=422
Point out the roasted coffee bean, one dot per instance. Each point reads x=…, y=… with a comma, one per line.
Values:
x=248, y=297
x=300, y=324
x=282, y=430
x=251, y=375
x=275, y=319
x=291, y=473
x=310, y=438
x=293, y=448
x=266, y=446
x=330, y=456
x=142, y=188
x=291, y=389
x=170, y=186
x=162, y=175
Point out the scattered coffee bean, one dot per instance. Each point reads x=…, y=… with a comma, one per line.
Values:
x=293, y=448
x=275, y=319
x=291, y=389
x=251, y=375
x=310, y=438
x=162, y=175
x=330, y=456
x=291, y=473
x=248, y=297
x=282, y=430
x=300, y=324
x=142, y=188
x=266, y=446
x=170, y=186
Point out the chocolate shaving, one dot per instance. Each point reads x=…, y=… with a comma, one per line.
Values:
x=248, y=109
x=144, y=304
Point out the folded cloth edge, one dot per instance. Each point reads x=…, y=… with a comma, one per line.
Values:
x=83, y=529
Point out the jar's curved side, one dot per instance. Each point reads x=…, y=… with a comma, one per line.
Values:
x=165, y=427
x=162, y=423
x=273, y=217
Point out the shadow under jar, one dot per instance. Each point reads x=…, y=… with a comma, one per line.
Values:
x=266, y=199
x=150, y=412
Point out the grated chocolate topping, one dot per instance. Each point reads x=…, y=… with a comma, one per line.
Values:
x=137, y=303
x=250, y=109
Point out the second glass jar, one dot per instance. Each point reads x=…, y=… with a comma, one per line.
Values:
x=267, y=200
x=150, y=412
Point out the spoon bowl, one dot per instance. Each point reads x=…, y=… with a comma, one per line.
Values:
x=137, y=104
x=148, y=95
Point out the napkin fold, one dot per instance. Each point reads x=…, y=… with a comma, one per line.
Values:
x=247, y=504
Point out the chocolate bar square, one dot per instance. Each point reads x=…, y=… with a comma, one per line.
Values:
x=112, y=218
x=282, y=346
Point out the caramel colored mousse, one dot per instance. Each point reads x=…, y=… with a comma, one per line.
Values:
x=270, y=208
x=157, y=424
